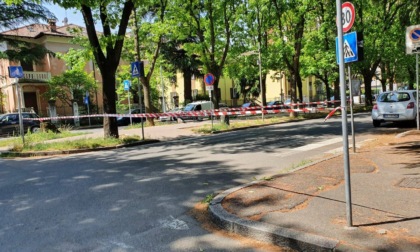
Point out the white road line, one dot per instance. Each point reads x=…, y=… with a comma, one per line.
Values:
x=310, y=147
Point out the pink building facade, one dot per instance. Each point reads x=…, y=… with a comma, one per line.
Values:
x=36, y=75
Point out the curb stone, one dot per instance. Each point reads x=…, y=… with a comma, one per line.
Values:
x=270, y=233
x=266, y=232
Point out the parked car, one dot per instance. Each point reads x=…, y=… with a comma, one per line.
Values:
x=393, y=106
x=196, y=106
x=274, y=103
x=9, y=123
x=170, y=118
x=124, y=121
x=250, y=104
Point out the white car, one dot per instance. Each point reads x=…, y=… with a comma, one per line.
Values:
x=393, y=106
x=171, y=118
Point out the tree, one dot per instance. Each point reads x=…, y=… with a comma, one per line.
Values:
x=106, y=47
x=17, y=14
x=211, y=22
x=69, y=86
x=319, y=56
x=73, y=83
x=375, y=20
x=189, y=65
x=149, y=30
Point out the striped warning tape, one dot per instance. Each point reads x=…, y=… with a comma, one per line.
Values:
x=275, y=109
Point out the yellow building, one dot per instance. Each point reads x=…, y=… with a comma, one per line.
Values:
x=277, y=88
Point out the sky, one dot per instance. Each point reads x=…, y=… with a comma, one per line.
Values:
x=73, y=16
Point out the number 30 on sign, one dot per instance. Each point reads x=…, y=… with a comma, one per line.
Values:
x=347, y=16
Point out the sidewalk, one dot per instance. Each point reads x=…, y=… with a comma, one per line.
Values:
x=306, y=209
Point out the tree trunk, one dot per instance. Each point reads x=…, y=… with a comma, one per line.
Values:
x=147, y=99
x=299, y=87
x=264, y=91
x=367, y=78
x=109, y=94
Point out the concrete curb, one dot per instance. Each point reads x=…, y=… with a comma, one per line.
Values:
x=264, y=231
x=75, y=151
x=270, y=233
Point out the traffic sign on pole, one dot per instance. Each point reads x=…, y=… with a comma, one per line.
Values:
x=350, y=49
x=412, y=39
x=137, y=69
x=127, y=85
x=348, y=15
x=15, y=72
x=209, y=79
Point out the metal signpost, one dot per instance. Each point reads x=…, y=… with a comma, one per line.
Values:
x=87, y=104
x=351, y=54
x=127, y=85
x=137, y=71
x=340, y=40
x=209, y=80
x=17, y=73
x=412, y=43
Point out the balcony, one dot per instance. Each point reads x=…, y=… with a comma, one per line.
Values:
x=37, y=76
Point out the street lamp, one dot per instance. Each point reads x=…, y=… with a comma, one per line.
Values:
x=260, y=73
x=261, y=90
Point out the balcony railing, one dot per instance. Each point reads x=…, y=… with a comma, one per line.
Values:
x=38, y=76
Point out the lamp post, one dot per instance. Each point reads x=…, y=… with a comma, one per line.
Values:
x=260, y=71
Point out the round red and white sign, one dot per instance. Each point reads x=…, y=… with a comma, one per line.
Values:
x=347, y=16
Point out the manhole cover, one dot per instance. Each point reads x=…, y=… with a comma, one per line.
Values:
x=410, y=183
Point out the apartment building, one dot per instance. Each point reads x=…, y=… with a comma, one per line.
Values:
x=33, y=85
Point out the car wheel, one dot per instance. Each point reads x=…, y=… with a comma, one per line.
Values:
x=35, y=129
x=376, y=123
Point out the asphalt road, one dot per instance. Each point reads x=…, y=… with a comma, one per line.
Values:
x=139, y=198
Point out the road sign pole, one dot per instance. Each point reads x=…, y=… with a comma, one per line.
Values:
x=261, y=90
x=129, y=107
x=417, y=84
x=344, y=115
x=351, y=111
x=141, y=111
x=22, y=131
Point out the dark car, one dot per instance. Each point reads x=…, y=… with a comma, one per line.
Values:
x=250, y=104
x=276, y=103
x=9, y=123
x=124, y=121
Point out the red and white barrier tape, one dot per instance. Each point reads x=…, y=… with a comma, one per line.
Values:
x=331, y=113
x=275, y=109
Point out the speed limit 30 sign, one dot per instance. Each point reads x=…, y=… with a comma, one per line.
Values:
x=347, y=16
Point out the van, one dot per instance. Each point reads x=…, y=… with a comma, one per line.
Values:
x=196, y=106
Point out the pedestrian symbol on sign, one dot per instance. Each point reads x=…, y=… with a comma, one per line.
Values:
x=135, y=70
x=348, y=52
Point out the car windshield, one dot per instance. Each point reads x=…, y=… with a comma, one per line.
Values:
x=189, y=107
x=394, y=97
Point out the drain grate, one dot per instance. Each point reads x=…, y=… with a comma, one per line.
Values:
x=410, y=183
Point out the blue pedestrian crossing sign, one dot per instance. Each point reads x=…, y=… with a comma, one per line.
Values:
x=349, y=48
x=127, y=85
x=15, y=72
x=137, y=69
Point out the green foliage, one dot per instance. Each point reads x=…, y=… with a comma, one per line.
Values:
x=18, y=12
x=208, y=198
x=72, y=84
x=84, y=143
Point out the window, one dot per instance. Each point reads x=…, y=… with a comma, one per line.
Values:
x=27, y=65
x=234, y=94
